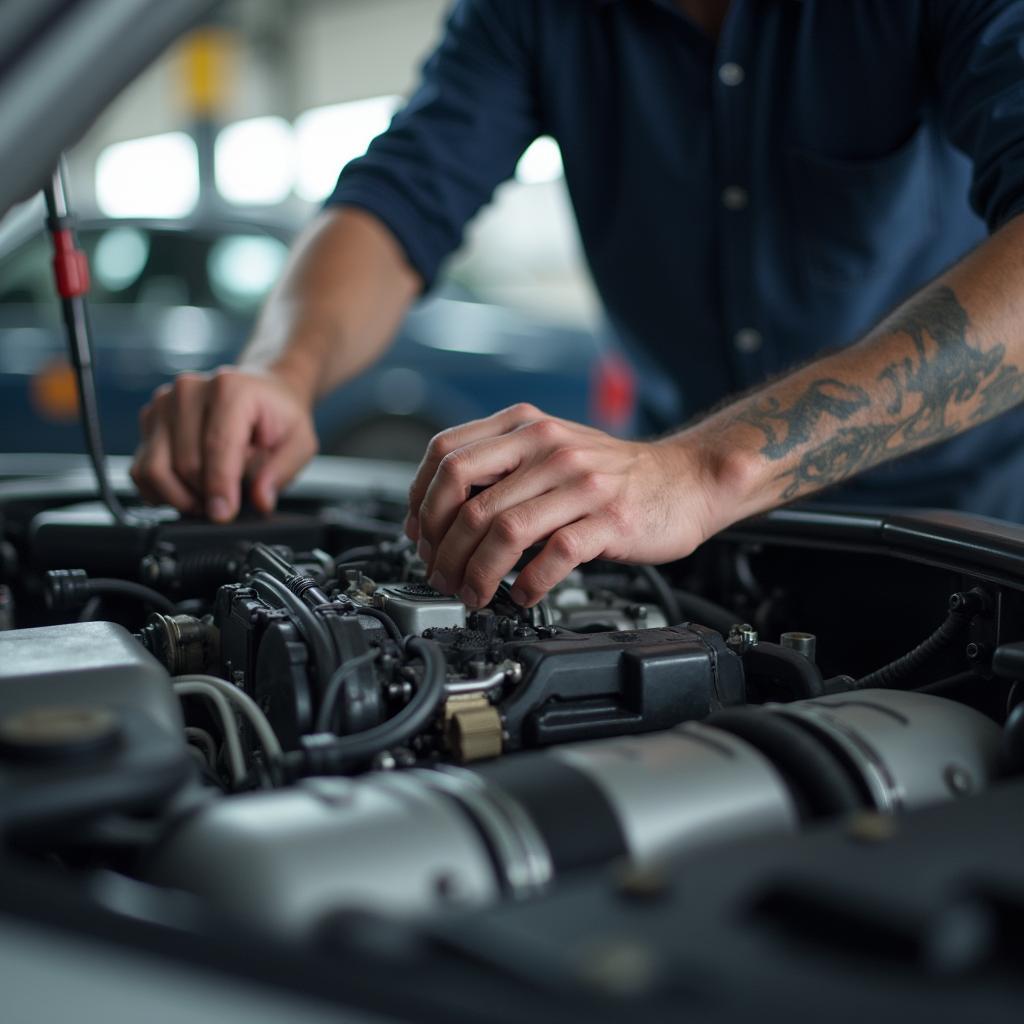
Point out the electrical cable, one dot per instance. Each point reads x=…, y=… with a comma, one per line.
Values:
x=246, y=705
x=389, y=624
x=682, y=605
x=325, y=718
x=339, y=755
x=128, y=588
x=310, y=625
x=895, y=675
x=200, y=738
x=360, y=554
x=90, y=609
x=663, y=592
x=232, y=741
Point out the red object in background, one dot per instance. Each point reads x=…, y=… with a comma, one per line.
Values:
x=70, y=265
x=613, y=392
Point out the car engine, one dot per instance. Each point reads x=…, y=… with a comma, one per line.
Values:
x=284, y=720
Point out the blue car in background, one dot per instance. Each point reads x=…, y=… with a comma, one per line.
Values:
x=170, y=297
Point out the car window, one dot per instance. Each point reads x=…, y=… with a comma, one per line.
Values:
x=131, y=264
x=26, y=275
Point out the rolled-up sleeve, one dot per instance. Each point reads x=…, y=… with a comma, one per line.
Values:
x=458, y=138
x=978, y=61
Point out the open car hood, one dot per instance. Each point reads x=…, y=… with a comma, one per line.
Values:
x=61, y=63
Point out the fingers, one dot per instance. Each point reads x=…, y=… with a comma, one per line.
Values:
x=457, y=437
x=494, y=514
x=186, y=411
x=271, y=471
x=154, y=476
x=153, y=468
x=572, y=545
x=201, y=433
x=515, y=530
x=478, y=464
x=227, y=435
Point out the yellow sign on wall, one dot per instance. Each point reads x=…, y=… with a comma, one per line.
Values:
x=207, y=63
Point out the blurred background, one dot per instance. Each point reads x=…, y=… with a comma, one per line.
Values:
x=189, y=190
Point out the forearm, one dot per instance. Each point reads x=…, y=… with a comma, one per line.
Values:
x=337, y=306
x=948, y=359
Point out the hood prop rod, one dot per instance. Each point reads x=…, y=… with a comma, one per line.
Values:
x=71, y=275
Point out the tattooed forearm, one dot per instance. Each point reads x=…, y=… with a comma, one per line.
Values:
x=788, y=428
x=943, y=385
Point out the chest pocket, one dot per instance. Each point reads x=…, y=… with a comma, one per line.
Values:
x=858, y=220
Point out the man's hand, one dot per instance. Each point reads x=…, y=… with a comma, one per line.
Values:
x=584, y=493
x=204, y=433
x=950, y=358
x=338, y=304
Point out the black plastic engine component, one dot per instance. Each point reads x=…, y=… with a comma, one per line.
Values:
x=83, y=535
x=584, y=686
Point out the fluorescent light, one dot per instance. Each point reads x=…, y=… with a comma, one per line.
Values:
x=327, y=138
x=254, y=161
x=243, y=268
x=120, y=257
x=542, y=162
x=157, y=176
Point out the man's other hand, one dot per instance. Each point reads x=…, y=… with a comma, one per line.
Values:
x=204, y=433
x=487, y=491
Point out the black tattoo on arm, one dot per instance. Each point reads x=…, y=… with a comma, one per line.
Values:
x=788, y=428
x=924, y=396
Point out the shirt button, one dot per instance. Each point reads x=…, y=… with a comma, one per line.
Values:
x=731, y=74
x=734, y=197
x=748, y=341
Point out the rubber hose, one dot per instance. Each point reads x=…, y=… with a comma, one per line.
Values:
x=822, y=786
x=351, y=752
x=127, y=588
x=789, y=666
x=899, y=672
x=312, y=628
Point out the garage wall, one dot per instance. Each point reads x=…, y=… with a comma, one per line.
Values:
x=291, y=55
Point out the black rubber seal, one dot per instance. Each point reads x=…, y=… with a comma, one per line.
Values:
x=818, y=780
x=571, y=812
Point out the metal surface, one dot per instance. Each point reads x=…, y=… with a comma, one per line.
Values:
x=685, y=788
x=912, y=749
x=60, y=78
x=285, y=859
x=58, y=730
x=416, y=607
x=98, y=663
x=518, y=846
x=804, y=643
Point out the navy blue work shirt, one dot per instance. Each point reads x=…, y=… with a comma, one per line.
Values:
x=743, y=204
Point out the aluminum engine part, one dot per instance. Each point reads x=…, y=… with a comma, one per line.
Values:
x=96, y=663
x=408, y=841
x=417, y=606
x=910, y=749
x=684, y=788
x=284, y=859
x=573, y=606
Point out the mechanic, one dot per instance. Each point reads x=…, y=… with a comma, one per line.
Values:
x=756, y=184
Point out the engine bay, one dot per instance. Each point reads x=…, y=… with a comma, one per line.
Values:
x=282, y=722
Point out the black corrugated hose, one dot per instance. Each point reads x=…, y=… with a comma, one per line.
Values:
x=897, y=674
